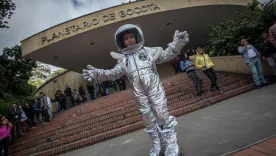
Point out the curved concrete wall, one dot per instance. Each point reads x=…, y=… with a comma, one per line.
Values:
x=112, y=15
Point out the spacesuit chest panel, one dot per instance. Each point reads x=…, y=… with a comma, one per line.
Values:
x=141, y=61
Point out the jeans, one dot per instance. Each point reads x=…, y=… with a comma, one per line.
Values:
x=50, y=113
x=91, y=94
x=210, y=73
x=196, y=78
x=272, y=62
x=255, y=68
x=37, y=117
x=4, y=143
x=45, y=113
x=23, y=125
x=106, y=91
x=57, y=106
x=69, y=102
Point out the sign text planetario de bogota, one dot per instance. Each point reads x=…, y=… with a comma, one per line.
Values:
x=96, y=21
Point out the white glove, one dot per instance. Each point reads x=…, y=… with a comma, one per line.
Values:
x=180, y=39
x=90, y=74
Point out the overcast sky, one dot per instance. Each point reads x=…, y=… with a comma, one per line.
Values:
x=33, y=16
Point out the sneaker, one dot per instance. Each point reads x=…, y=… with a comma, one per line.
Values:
x=202, y=92
x=213, y=89
x=259, y=86
x=220, y=91
x=198, y=94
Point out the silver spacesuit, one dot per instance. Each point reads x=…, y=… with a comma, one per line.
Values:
x=139, y=64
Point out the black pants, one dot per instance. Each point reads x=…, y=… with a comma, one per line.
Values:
x=210, y=73
x=4, y=145
x=44, y=113
x=196, y=78
x=63, y=105
x=122, y=86
x=13, y=132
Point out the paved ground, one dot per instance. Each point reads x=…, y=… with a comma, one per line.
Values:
x=215, y=130
x=263, y=148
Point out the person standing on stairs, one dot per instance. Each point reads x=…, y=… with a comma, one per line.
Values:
x=90, y=89
x=5, y=129
x=204, y=63
x=252, y=58
x=268, y=52
x=187, y=66
x=139, y=64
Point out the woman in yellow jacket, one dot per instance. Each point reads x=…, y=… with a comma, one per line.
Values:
x=204, y=63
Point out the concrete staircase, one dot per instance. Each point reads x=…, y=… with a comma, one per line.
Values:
x=117, y=114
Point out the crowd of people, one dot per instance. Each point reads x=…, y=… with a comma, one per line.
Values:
x=252, y=56
x=19, y=120
x=266, y=50
x=96, y=89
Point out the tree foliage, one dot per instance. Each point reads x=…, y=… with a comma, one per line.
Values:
x=39, y=74
x=15, y=72
x=6, y=11
x=250, y=24
x=57, y=72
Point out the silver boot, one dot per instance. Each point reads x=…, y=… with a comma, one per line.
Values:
x=156, y=148
x=169, y=136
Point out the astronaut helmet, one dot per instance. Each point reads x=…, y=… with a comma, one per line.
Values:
x=129, y=29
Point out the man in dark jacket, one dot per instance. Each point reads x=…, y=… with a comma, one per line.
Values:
x=268, y=52
x=69, y=98
x=82, y=93
x=90, y=89
x=62, y=100
x=29, y=111
x=14, y=116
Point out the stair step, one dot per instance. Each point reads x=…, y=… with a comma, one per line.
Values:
x=175, y=106
x=138, y=125
x=113, y=113
x=53, y=132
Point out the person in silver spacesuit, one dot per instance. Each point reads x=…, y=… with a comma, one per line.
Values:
x=139, y=64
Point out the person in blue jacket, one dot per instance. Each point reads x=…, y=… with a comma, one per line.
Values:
x=187, y=66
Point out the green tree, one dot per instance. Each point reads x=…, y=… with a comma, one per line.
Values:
x=6, y=11
x=250, y=24
x=39, y=74
x=15, y=72
x=57, y=72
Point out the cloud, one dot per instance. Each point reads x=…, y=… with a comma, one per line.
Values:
x=33, y=16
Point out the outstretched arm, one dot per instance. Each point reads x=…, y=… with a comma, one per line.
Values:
x=242, y=50
x=103, y=75
x=180, y=39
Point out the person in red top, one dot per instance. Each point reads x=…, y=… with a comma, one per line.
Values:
x=272, y=32
x=5, y=128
